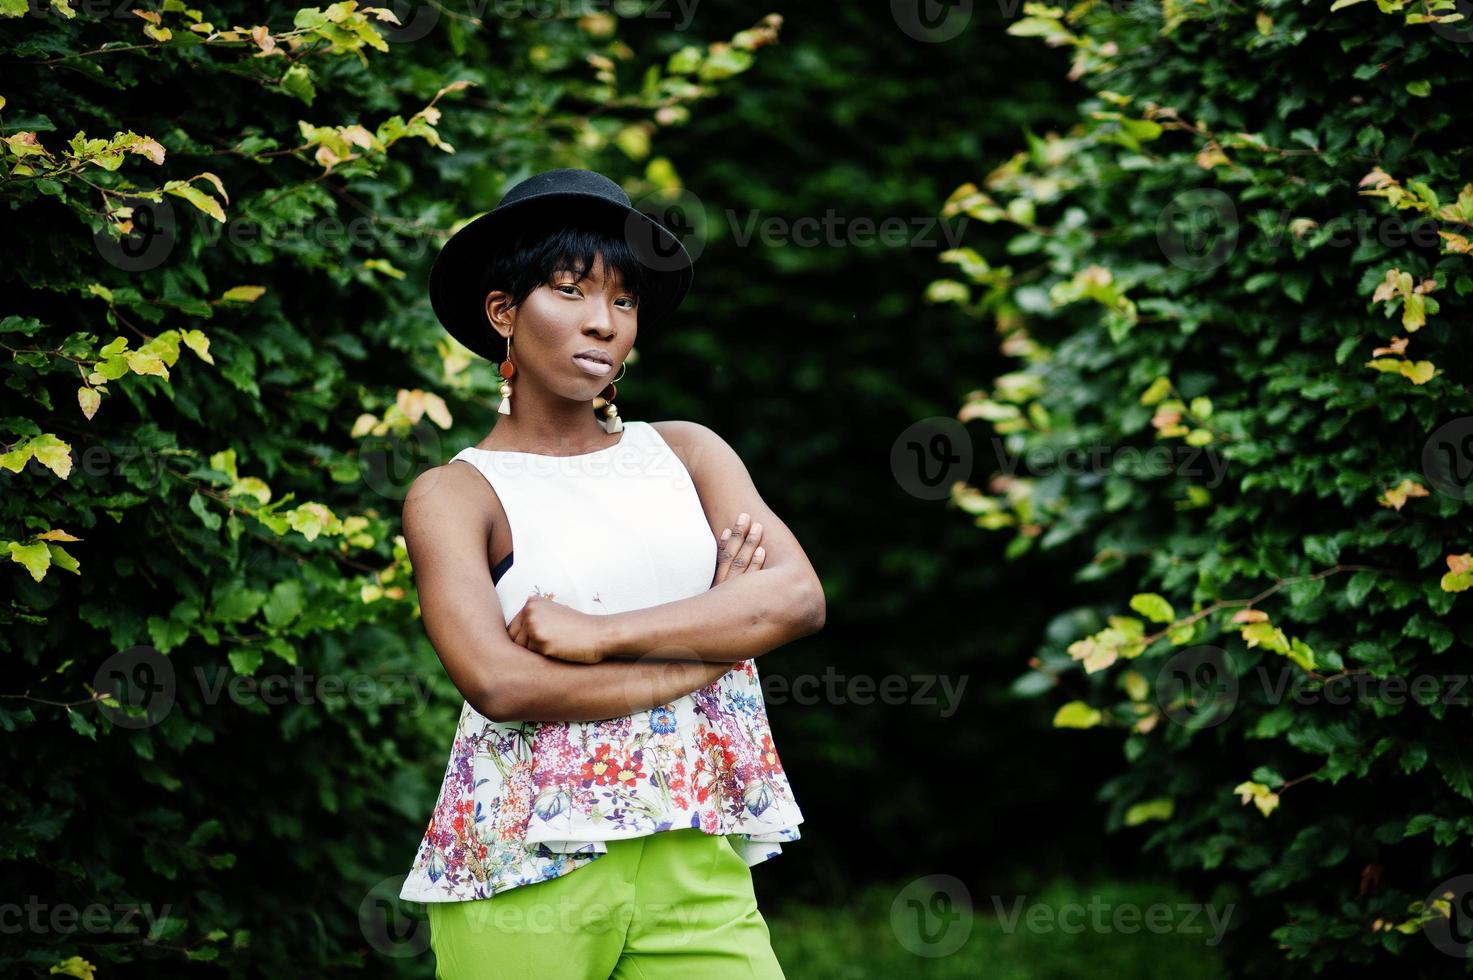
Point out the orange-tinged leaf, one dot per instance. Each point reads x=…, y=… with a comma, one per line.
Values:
x=1397, y=496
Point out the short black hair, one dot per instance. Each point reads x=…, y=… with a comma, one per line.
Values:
x=564, y=238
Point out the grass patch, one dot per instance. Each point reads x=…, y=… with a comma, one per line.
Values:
x=1065, y=931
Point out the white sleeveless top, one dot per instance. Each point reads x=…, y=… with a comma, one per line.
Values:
x=617, y=529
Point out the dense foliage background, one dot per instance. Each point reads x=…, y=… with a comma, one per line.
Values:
x=1237, y=294
x=1235, y=235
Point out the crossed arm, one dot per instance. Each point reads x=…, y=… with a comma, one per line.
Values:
x=640, y=659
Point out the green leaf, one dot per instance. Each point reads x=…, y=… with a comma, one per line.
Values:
x=238, y=604
x=1077, y=714
x=1157, y=809
x=1153, y=607
x=298, y=82
x=245, y=660
x=81, y=723
x=285, y=603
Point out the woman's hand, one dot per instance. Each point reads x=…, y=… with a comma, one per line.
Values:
x=558, y=631
x=563, y=633
x=738, y=550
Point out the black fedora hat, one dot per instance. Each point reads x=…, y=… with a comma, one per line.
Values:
x=457, y=279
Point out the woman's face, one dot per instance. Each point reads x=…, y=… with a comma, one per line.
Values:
x=565, y=317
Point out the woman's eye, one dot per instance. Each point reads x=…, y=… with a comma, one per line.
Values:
x=567, y=285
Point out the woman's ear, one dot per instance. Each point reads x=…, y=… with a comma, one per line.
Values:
x=499, y=311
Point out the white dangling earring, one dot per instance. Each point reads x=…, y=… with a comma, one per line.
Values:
x=612, y=422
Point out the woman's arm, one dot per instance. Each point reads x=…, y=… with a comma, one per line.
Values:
x=555, y=690
x=746, y=615
x=446, y=532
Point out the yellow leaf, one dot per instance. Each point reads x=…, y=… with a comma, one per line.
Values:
x=143, y=363
x=1158, y=390
x=54, y=454
x=1260, y=795
x=56, y=534
x=1157, y=809
x=254, y=487
x=219, y=185
x=1077, y=714
x=75, y=966
x=1420, y=372
x=242, y=294
x=197, y=197
x=89, y=399
x=196, y=341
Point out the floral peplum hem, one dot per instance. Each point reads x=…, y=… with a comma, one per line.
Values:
x=524, y=802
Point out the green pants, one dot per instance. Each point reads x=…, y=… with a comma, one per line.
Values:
x=675, y=904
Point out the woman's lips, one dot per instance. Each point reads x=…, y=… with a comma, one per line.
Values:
x=596, y=368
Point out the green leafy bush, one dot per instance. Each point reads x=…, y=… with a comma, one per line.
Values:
x=1238, y=295
x=220, y=373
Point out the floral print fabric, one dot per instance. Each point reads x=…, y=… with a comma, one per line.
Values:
x=617, y=529
x=527, y=801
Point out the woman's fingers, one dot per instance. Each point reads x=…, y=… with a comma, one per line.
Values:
x=736, y=547
x=742, y=560
x=727, y=546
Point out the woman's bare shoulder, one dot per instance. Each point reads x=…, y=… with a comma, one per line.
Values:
x=451, y=495
x=690, y=440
